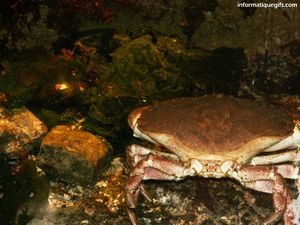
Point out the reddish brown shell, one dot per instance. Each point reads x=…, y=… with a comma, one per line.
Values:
x=215, y=128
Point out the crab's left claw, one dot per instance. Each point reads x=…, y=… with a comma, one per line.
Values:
x=152, y=167
x=132, y=190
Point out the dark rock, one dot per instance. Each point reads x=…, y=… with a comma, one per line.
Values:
x=272, y=74
x=20, y=132
x=22, y=195
x=33, y=191
x=255, y=29
x=292, y=84
x=225, y=77
x=194, y=13
x=293, y=48
x=72, y=155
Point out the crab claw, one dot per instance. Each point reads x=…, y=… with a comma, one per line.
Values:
x=132, y=198
x=268, y=180
x=133, y=190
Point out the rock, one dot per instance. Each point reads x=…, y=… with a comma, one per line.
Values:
x=99, y=204
x=228, y=26
x=33, y=190
x=73, y=156
x=20, y=132
x=23, y=194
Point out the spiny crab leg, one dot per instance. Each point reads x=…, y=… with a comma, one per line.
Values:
x=151, y=167
x=292, y=156
x=154, y=167
x=134, y=154
x=267, y=179
x=130, y=210
x=288, y=171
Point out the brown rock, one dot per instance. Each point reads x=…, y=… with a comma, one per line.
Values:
x=72, y=155
x=20, y=132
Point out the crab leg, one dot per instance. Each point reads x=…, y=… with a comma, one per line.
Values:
x=135, y=153
x=268, y=179
x=288, y=171
x=292, y=141
x=292, y=156
x=152, y=167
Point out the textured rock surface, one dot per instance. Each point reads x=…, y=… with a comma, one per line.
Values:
x=20, y=132
x=73, y=156
x=229, y=26
x=192, y=201
x=99, y=204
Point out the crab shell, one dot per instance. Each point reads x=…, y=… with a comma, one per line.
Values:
x=216, y=136
x=213, y=128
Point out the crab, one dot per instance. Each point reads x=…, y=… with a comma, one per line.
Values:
x=214, y=136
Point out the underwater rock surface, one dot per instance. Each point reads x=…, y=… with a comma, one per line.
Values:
x=72, y=155
x=20, y=132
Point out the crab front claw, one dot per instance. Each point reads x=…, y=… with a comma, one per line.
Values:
x=131, y=200
x=269, y=180
x=132, y=192
x=152, y=166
